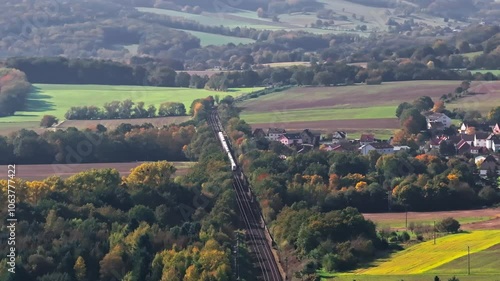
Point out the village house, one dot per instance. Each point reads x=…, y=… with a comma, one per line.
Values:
x=496, y=129
x=480, y=139
x=335, y=137
x=289, y=139
x=339, y=136
x=274, y=134
x=401, y=147
x=433, y=120
x=309, y=138
x=489, y=167
x=380, y=147
x=493, y=143
x=366, y=139
x=259, y=133
x=339, y=147
x=463, y=128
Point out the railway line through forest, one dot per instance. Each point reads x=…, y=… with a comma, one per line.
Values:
x=257, y=235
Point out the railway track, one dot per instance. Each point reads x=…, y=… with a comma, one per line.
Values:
x=251, y=217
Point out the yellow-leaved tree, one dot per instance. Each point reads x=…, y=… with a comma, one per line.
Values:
x=80, y=269
x=151, y=174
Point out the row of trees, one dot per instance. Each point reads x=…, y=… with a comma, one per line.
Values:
x=104, y=72
x=14, y=90
x=124, y=144
x=126, y=109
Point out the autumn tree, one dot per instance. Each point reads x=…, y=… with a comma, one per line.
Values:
x=48, y=121
x=112, y=265
x=153, y=174
x=412, y=121
x=402, y=107
x=438, y=107
x=80, y=269
x=494, y=115
x=423, y=103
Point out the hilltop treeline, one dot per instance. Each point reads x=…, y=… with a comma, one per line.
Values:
x=316, y=74
x=14, y=89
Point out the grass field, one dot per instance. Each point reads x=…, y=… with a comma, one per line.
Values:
x=57, y=99
x=373, y=17
x=419, y=277
x=484, y=262
x=318, y=114
x=358, y=102
x=314, y=106
x=496, y=72
x=398, y=220
x=207, y=39
x=488, y=97
x=426, y=256
x=472, y=55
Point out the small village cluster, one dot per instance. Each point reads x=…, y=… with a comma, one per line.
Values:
x=481, y=141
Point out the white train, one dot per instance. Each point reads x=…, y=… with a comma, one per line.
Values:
x=226, y=149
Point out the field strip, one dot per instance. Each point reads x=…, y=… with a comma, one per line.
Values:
x=426, y=256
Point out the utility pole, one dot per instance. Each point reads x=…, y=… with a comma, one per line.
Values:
x=286, y=267
x=434, y=232
x=468, y=260
x=236, y=255
x=406, y=218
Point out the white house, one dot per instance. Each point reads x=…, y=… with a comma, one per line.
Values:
x=480, y=139
x=493, y=143
x=290, y=139
x=381, y=147
x=436, y=118
x=401, y=147
x=273, y=134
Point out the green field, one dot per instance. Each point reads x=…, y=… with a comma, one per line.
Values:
x=426, y=256
x=484, y=266
x=319, y=114
x=484, y=262
x=384, y=134
x=472, y=54
x=373, y=17
x=495, y=72
x=56, y=99
x=401, y=223
x=419, y=277
x=207, y=39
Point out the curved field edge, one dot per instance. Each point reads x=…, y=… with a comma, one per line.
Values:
x=426, y=256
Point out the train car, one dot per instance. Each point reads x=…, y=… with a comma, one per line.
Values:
x=223, y=142
x=233, y=163
x=226, y=149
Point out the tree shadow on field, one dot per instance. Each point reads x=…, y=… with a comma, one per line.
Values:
x=37, y=102
x=381, y=255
